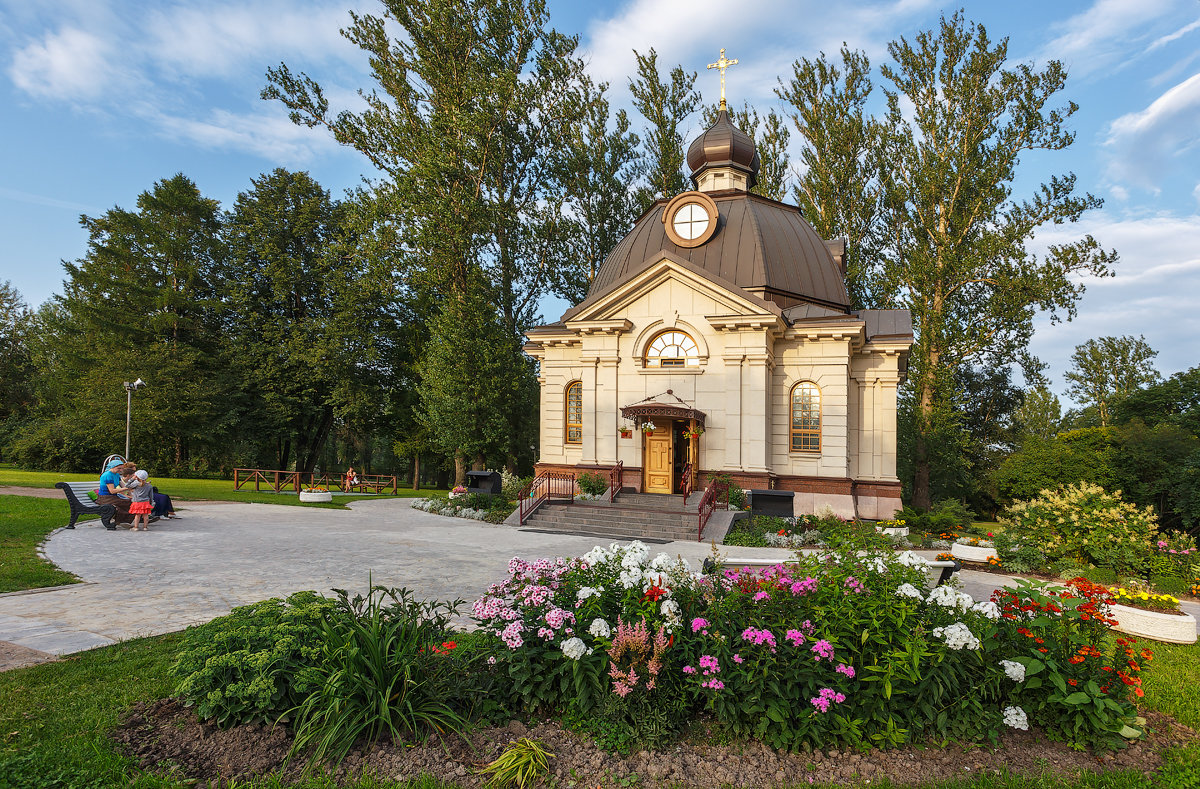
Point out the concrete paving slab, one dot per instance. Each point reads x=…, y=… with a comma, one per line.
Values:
x=227, y=554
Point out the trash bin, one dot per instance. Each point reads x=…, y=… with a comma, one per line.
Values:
x=776, y=503
x=484, y=482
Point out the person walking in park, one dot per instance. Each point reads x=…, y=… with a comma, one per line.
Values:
x=112, y=492
x=142, y=500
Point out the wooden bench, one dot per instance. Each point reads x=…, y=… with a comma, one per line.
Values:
x=81, y=504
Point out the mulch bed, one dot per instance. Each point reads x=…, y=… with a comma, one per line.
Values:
x=167, y=738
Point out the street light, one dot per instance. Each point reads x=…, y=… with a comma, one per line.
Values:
x=129, y=387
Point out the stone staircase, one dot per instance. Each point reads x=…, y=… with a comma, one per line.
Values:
x=633, y=516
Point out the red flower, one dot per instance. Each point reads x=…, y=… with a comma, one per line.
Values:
x=655, y=592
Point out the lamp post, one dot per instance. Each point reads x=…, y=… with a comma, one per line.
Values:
x=129, y=387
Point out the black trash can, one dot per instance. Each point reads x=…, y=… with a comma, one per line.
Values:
x=484, y=482
x=775, y=503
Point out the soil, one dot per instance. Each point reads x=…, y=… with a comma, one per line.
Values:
x=16, y=656
x=166, y=737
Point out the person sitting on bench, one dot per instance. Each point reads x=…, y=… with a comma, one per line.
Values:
x=110, y=492
x=351, y=479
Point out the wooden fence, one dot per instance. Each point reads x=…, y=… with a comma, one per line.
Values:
x=279, y=481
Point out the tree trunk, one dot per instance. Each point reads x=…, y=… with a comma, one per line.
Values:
x=480, y=463
x=921, y=494
x=460, y=469
x=417, y=471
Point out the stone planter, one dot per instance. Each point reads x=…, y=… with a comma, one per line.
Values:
x=315, y=496
x=972, y=553
x=894, y=531
x=1171, y=628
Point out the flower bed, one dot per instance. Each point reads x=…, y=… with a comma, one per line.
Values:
x=315, y=496
x=1172, y=627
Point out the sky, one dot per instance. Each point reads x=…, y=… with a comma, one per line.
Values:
x=99, y=99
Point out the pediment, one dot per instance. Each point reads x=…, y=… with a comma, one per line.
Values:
x=611, y=304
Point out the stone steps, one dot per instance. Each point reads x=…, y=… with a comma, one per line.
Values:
x=618, y=522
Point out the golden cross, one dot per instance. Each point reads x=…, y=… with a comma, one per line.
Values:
x=722, y=64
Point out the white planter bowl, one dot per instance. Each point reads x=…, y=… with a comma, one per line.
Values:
x=312, y=497
x=894, y=531
x=1171, y=628
x=972, y=553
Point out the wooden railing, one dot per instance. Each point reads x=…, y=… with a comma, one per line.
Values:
x=547, y=485
x=279, y=481
x=615, y=480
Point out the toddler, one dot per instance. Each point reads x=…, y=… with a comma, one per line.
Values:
x=141, y=494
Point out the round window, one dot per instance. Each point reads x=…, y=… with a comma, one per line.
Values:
x=690, y=221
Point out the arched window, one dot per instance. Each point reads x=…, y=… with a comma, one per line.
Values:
x=672, y=348
x=575, y=412
x=806, y=417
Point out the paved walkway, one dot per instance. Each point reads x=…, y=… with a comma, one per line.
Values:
x=226, y=554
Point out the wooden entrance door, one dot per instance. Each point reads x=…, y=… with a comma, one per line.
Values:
x=659, y=452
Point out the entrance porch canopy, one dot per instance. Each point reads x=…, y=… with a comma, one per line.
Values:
x=642, y=411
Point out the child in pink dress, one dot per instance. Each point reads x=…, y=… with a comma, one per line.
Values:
x=141, y=493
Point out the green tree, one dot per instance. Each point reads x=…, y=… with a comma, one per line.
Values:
x=957, y=125
x=1039, y=415
x=16, y=363
x=1086, y=455
x=294, y=312
x=595, y=166
x=1175, y=400
x=665, y=105
x=143, y=302
x=1109, y=369
x=839, y=188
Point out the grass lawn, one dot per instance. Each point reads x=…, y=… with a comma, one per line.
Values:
x=24, y=523
x=53, y=720
x=183, y=489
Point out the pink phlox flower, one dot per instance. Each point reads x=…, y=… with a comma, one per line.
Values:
x=804, y=587
x=1162, y=543
x=762, y=596
x=823, y=649
x=689, y=670
x=846, y=669
x=491, y=661
x=737, y=658
x=853, y=585
x=700, y=623
x=759, y=637
x=795, y=637
x=825, y=697
x=714, y=683
x=709, y=665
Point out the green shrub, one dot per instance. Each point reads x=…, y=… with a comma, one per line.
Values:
x=1169, y=584
x=1068, y=567
x=386, y=668
x=255, y=663
x=592, y=483
x=731, y=491
x=1099, y=575
x=1085, y=523
x=944, y=517
x=523, y=763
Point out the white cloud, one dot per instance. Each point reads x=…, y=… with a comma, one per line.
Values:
x=1158, y=270
x=1100, y=38
x=1146, y=147
x=269, y=134
x=69, y=64
x=1180, y=33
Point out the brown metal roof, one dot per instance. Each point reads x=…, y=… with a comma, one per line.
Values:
x=668, y=410
x=760, y=244
x=895, y=324
x=724, y=145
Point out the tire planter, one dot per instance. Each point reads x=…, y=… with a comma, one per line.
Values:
x=972, y=553
x=313, y=497
x=1171, y=628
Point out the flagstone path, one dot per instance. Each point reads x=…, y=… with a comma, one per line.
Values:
x=225, y=554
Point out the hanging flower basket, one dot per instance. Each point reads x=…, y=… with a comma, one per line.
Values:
x=690, y=434
x=626, y=432
x=648, y=427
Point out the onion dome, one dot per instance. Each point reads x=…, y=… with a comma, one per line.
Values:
x=723, y=146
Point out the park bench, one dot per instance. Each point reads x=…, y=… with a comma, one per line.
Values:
x=81, y=504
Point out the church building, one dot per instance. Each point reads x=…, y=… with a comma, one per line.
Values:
x=718, y=337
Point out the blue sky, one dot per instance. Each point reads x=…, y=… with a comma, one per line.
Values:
x=101, y=98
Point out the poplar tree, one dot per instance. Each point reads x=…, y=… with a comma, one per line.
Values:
x=1106, y=370
x=770, y=136
x=665, y=105
x=958, y=123
x=838, y=188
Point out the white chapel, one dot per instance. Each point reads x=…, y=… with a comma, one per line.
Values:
x=718, y=337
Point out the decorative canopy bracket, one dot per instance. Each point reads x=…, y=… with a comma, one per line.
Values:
x=650, y=408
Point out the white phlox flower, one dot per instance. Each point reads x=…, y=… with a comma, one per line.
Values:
x=587, y=592
x=944, y=596
x=1013, y=670
x=964, y=601
x=908, y=590
x=910, y=559
x=574, y=648
x=957, y=636
x=987, y=608
x=599, y=628
x=630, y=578
x=670, y=609
x=1016, y=718
x=597, y=555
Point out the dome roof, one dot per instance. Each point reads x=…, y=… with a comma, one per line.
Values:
x=760, y=245
x=724, y=145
